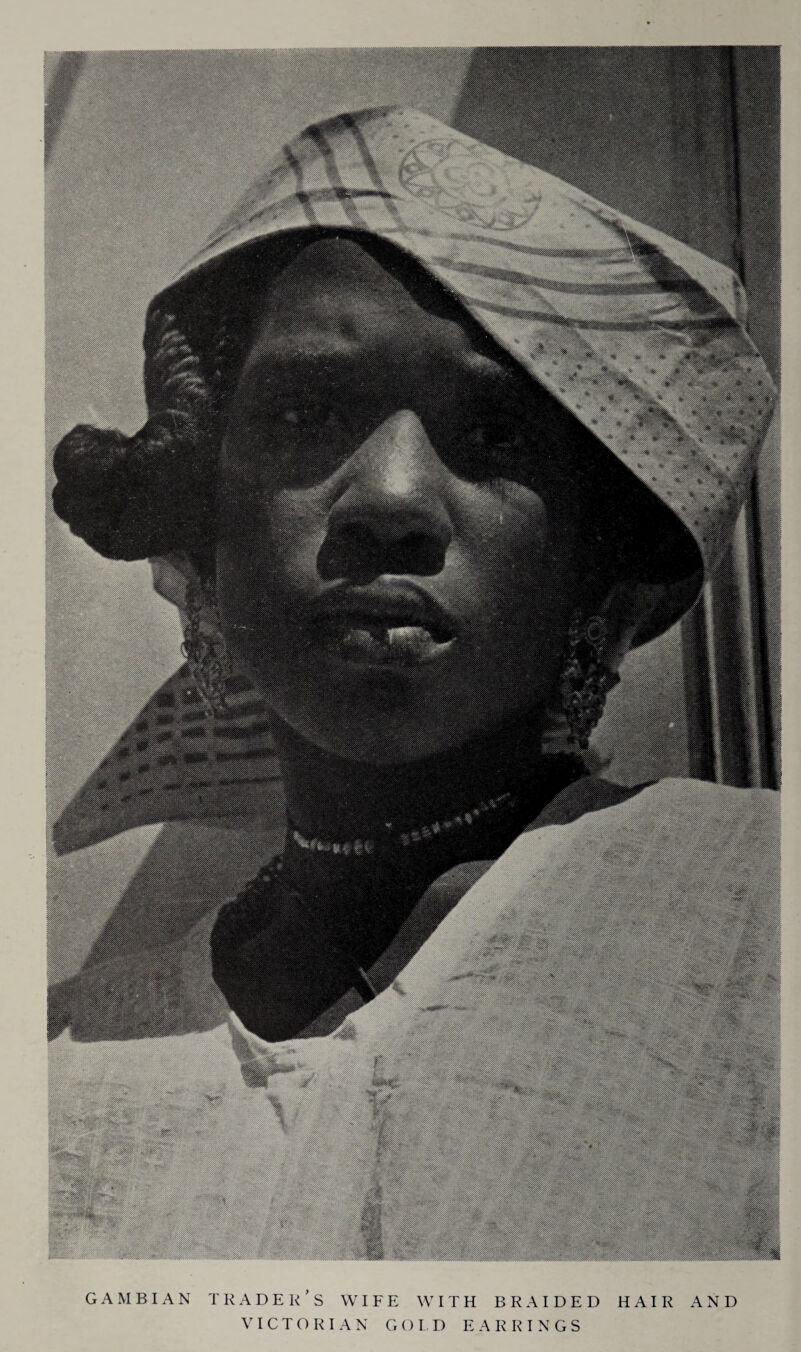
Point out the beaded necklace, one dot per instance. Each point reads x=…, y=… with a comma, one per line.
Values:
x=417, y=835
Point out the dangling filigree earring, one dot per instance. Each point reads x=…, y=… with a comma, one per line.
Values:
x=204, y=647
x=584, y=682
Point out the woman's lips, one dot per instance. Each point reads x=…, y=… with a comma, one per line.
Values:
x=353, y=640
x=387, y=626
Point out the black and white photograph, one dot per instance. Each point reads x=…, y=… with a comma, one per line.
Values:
x=413, y=656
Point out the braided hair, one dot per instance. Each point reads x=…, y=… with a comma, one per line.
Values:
x=153, y=492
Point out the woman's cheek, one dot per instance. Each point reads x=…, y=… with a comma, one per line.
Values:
x=294, y=529
x=267, y=551
x=512, y=532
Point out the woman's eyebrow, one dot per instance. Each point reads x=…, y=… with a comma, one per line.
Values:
x=328, y=364
x=282, y=367
x=501, y=381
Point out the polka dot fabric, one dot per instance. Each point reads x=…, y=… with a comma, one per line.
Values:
x=640, y=336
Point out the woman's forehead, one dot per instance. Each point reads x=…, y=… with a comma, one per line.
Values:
x=344, y=295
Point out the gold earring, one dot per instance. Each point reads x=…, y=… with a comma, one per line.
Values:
x=584, y=682
x=204, y=647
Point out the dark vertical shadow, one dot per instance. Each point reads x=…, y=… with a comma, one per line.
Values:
x=755, y=96
x=59, y=94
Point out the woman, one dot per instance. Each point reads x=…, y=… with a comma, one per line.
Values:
x=433, y=440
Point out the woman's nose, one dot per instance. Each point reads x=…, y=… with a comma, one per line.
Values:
x=391, y=515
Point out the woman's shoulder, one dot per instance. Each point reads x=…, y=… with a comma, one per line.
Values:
x=716, y=801
x=656, y=857
x=715, y=845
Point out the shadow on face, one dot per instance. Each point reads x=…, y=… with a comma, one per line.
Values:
x=400, y=512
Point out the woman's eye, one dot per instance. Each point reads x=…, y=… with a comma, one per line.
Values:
x=492, y=446
x=297, y=418
x=293, y=442
x=489, y=435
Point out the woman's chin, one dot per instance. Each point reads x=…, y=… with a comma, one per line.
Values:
x=388, y=732
x=378, y=743
x=381, y=707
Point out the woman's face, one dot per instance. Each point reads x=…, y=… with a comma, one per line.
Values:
x=398, y=531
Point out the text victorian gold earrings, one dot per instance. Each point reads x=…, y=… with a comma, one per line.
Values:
x=584, y=682
x=204, y=646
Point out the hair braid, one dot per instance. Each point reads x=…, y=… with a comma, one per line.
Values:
x=132, y=497
x=226, y=350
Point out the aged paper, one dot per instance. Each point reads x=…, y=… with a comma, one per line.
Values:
x=60, y=1304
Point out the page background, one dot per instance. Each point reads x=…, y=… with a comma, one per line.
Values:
x=44, y=1300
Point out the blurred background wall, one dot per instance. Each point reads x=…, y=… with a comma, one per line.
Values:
x=147, y=150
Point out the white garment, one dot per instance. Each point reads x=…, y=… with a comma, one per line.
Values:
x=578, y=1064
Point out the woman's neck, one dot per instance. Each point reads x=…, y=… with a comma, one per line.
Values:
x=333, y=798
x=364, y=843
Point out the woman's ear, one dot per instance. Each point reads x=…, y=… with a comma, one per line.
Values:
x=173, y=574
x=179, y=580
x=187, y=586
x=628, y=610
x=625, y=608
